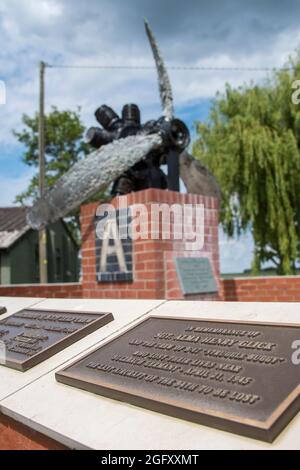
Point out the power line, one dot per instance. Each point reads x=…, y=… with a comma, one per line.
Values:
x=171, y=67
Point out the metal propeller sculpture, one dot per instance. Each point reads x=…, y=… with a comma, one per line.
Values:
x=121, y=145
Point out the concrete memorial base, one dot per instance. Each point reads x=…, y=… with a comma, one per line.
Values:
x=78, y=419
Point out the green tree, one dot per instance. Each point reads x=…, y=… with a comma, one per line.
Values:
x=251, y=142
x=64, y=146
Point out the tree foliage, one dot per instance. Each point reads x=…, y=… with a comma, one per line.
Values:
x=251, y=142
x=64, y=146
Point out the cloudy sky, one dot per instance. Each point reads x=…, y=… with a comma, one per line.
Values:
x=212, y=33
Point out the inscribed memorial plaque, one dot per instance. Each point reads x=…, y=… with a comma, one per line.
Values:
x=31, y=336
x=241, y=377
x=195, y=275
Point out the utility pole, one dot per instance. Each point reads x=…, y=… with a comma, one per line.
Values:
x=42, y=231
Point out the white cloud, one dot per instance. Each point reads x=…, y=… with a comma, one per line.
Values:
x=2, y=92
x=10, y=187
x=100, y=33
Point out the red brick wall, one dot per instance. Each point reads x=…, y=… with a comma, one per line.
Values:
x=261, y=289
x=256, y=289
x=72, y=290
x=153, y=260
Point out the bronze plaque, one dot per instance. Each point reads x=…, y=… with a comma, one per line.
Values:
x=195, y=275
x=32, y=336
x=2, y=310
x=236, y=376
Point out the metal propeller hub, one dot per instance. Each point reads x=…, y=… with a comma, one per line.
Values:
x=175, y=134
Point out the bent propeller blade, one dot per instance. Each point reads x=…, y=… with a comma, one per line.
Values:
x=90, y=175
x=196, y=177
x=165, y=89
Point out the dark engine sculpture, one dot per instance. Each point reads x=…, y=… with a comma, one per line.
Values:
x=141, y=149
x=147, y=173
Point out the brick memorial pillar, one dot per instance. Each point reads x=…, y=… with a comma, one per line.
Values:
x=136, y=247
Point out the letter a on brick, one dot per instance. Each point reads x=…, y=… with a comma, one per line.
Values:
x=111, y=232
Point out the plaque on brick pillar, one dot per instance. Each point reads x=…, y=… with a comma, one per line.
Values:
x=31, y=336
x=113, y=247
x=2, y=310
x=196, y=275
x=236, y=376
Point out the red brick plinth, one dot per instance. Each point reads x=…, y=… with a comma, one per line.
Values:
x=154, y=272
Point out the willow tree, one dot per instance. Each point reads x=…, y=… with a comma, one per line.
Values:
x=251, y=142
